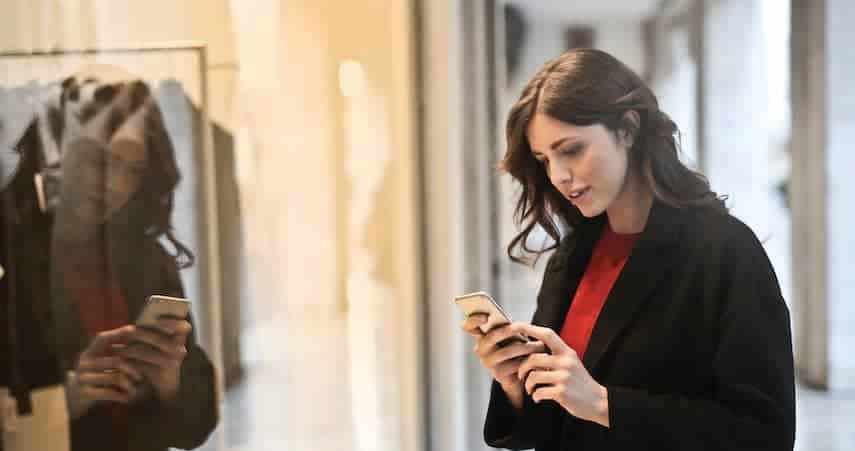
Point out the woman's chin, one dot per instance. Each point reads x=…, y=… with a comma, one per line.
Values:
x=589, y=211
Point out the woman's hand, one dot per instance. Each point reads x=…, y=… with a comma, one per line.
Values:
x=561, y=377
x=502, y=353
x=158, y=354
x=101, y=374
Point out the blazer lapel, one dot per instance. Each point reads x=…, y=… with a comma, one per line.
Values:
x=648, y=263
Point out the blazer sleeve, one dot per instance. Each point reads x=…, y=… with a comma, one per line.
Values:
x=753, y=402
x=189, y=419
x=509, y=428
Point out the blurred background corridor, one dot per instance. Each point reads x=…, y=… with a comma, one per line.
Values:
x=339, y=183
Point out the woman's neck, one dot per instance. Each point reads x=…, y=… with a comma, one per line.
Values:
x=628, y=213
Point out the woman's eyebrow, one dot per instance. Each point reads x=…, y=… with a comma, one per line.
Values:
x=561, y=141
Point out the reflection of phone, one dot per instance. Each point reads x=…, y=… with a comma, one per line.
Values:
x=158, y=306
x=481, y=302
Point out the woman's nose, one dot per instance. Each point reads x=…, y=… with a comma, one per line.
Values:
x=560, y=176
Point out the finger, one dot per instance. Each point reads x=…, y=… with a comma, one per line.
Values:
x=153, y=338
x=99, y=363
x=130, y=371
x=548, y=392
x=117, y=381
x=537, y=347
x=548, y=336
x=103, y=342
x=512, y=350
x=536, y=361
x=541, y=377
x=472, y=324
x=508, y=367
x=509, y=352
x=144, y=354
x=174, y=326
x=104, y=394
x=498, y=335
x=476, y=334
x=102, y=364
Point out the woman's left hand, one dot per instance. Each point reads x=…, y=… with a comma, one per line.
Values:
x=561, y=377
x=158, y=353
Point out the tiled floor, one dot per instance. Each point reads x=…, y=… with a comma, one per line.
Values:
x=256, y=412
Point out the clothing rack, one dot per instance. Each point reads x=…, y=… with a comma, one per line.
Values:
x=211, y=282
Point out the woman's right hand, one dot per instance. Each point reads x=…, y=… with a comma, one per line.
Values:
x=102, y=374
x=502, y=360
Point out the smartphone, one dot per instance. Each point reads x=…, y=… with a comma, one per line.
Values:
x=481, y=302
x=157, y=306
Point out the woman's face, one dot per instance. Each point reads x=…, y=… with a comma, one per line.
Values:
x=99, y=180
x=587, y=164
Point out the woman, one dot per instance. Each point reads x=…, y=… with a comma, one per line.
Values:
x=660, y=323
x=128, y=388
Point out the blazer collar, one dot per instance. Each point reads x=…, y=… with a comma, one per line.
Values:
x=650, y=260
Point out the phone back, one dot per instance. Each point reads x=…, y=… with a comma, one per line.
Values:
x=481, y=302
x=158, y=306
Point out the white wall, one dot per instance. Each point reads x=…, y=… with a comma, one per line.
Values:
x=737, y=143
x=623, y=39
x=677, y=94
x=841, y=192
x=744, y=146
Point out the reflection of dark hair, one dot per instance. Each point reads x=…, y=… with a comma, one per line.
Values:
x=157, y=190
x=586, y=87
x=149, y=210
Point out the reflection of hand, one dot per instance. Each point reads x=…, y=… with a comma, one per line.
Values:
x=561, y=377
x=158, y=354
x=105, y=159
x=129, y=97
x=501, y=359
x=102, y=375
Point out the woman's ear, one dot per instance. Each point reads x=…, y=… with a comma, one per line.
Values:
x=630, y=127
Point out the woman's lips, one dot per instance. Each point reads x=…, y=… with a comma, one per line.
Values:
x=583, y=196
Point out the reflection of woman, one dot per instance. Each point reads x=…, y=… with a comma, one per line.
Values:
x=660, y=324
x=129, y=388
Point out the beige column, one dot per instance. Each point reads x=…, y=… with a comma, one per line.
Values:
x=822, y=191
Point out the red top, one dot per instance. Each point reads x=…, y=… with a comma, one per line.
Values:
x=610, y=254
x=90, y=285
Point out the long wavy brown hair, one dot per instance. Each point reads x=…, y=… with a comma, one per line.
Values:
x=586, y=87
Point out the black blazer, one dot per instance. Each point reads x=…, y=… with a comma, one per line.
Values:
x=145, y=269
x=693, y=344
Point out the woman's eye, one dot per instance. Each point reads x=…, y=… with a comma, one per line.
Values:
x=570, y=151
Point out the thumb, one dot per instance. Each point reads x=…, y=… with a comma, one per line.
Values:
x=103, y=342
